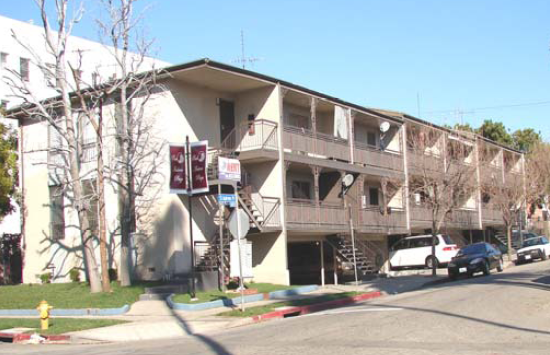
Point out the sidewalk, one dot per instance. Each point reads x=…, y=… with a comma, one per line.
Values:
x=155, y=320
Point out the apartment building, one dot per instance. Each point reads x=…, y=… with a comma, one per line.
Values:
x=295, y=146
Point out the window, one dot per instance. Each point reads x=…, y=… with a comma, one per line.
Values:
x=301, y=190
x=24, y=69
x=57, y=213
x=3, y=60
x=373, y=196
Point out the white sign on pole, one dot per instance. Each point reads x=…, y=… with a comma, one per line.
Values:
x=229, y=169
x=239, y=228
x=246, y=259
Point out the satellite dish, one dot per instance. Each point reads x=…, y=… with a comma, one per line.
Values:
x=384, y=126
x=347, y=181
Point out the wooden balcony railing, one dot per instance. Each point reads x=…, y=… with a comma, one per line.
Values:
x=420, y=163
x=301, y=140
x=306, y=214
x=372, y=218
x=385, y=159
x=491, y=214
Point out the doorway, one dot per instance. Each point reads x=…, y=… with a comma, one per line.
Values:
x=227, y=118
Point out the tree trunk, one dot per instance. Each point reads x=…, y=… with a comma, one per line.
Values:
x=434, y=240
x=105, y=281
x=74, y=171
x=509, y=240
x=124, y=191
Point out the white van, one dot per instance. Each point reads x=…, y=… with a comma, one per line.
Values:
x=417, y=251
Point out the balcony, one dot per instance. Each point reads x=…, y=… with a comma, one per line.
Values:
x=491, y=215
x=317, y=145
x=311, y=216
x=254, y=141
x=365, y=154
x=490, y=173
x=424, y=163
x=371, y=220
x=465, y=219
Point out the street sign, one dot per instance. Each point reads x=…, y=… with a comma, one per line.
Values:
x=227, y=200
x=246, y=259
x=244, y=224
x=229, y=169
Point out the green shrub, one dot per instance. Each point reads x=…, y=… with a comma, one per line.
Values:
x=74, y=274
x=113, y=275
x=46, y=277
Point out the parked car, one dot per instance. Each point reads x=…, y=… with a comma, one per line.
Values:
x=533, y=248
x=417, y=251
x=478, y=257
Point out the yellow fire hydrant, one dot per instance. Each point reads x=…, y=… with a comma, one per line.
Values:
x=44, y=309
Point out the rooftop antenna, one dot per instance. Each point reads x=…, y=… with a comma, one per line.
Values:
x=244, y=60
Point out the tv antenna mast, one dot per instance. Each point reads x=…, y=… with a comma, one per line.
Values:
x=243, y=60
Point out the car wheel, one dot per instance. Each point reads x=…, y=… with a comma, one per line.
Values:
x=486, y=268
x=430, y=261
x=500, y=267
x=543, y=255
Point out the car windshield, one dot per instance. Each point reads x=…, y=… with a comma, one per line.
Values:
x=472, y=249
x=531, y=242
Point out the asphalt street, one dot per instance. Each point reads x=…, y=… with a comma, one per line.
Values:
x=505, y=313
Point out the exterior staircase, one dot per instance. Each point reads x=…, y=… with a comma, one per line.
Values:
x=364, y=253
x=211, y=259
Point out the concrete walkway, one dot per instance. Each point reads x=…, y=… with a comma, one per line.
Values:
x=155, y=320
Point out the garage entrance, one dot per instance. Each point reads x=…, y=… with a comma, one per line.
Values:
x=304, y=263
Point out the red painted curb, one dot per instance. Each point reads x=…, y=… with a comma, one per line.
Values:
x=19, y=337
x=316, y=307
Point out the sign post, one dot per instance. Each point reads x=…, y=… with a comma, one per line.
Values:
x=239, y=226
x=188, y=176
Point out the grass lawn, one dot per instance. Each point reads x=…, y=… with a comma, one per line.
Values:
x=57, y=325
x=218, y=295
x=254, y=311
x=67, y=295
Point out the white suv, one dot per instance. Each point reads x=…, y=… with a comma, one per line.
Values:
x=417, y=251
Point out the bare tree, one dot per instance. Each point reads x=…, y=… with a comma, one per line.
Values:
x=135, y=171
x=442, y=176
x=63, y=115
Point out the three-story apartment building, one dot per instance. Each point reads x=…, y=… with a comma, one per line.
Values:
x=295, y=145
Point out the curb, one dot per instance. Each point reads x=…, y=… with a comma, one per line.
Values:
x=236, y=301
x=301, y=310
x=68, y=312
x=19, y=337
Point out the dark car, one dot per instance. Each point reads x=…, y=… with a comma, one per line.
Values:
x=479, y=257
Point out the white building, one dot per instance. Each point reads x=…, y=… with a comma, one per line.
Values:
x=97, y=64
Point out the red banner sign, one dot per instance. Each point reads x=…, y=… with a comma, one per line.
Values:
x=199, y=174
x=179, y=165
x=178, y=178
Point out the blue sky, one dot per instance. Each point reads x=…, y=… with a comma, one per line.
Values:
x=466, y=60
